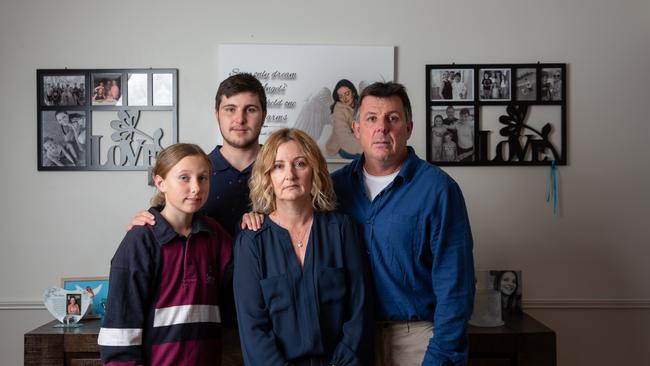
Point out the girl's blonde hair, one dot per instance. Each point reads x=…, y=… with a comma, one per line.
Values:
x=170, y=156
x=261, y=189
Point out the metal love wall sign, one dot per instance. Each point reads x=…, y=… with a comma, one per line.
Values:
x=105, y=119
x=496, y=114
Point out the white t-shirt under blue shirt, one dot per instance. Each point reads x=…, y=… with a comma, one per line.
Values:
x=376, y=183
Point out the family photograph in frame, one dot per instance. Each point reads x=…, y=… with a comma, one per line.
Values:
x=451, y=84
x=106, y=89
x=495, y=84
x=64, y=90
x=451, y=131
x=63, y=138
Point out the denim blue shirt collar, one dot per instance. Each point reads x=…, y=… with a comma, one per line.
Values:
x=406, y=171
x=419, y=244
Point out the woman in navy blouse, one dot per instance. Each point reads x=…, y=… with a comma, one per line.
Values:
x=301, y=282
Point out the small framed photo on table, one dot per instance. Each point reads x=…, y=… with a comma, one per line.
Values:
x=97, y=288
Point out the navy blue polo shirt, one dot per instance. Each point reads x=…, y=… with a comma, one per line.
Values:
x=164, y=295
x=228, y=199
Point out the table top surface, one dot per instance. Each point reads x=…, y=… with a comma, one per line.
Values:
x=516, y=324
x=89, y=326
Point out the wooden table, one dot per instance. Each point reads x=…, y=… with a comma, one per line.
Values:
x=51, y=346
x=522, y=341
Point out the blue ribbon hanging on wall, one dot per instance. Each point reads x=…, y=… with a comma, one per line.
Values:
x=552, y=186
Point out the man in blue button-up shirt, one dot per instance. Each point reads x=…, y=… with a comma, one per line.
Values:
x=417, y=234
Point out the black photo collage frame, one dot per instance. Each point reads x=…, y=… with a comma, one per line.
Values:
x=496, y=114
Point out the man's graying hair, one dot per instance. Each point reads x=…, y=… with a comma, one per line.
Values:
x=387, y=90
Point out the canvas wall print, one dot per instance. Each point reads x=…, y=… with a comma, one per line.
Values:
x=311, y=87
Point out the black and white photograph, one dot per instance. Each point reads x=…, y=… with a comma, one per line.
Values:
x=450, y=134
x=551, y=84
x=527, y=84
x=494, y=84
x=452, y=84
x=508, y=284
x=63, y=138
x=64, y=90
x=106, y=89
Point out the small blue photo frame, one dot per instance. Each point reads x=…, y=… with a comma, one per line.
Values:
x=97, y=288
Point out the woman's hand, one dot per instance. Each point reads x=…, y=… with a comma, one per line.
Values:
x=141, y=219
x=252, y=221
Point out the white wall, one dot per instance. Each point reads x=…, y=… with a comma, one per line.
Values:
x=62, y=224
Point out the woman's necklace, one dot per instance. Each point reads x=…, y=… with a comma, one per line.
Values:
x=301, y=237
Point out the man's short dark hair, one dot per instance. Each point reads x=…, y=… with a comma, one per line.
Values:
x=387, y=90
x=240, y=83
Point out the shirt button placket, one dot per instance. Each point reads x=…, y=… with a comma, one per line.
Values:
x=190, y=268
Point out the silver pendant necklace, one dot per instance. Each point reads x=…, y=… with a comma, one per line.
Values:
x=300, y=244
x=302, y=236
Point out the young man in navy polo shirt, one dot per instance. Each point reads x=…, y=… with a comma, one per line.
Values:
x=240, y=110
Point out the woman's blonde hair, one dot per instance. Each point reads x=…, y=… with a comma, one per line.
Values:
x=170, y=156
x=261, y=188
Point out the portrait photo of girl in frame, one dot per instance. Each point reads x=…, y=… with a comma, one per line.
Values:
x=508, y=284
